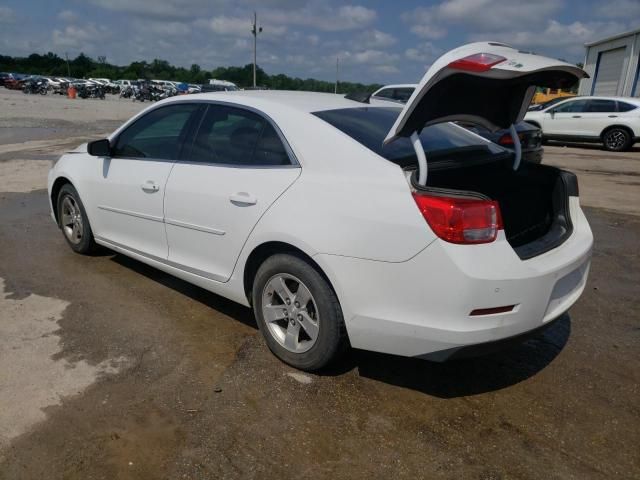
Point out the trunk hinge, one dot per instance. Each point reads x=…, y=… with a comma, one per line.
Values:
x=422, y=158
x=516, y=145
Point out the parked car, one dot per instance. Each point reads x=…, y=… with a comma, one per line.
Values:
x=530, y=136
x=612, y=121
x=345, y=235
x=3, y=77
x=14, y=82
x=397, y=93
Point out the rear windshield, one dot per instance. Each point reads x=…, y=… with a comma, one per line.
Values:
x=442, y=142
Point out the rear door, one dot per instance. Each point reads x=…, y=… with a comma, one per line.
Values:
x=238, y=165
x=599, y=114
x=486, y=83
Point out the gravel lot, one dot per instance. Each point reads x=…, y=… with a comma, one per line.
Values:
x=111, y=369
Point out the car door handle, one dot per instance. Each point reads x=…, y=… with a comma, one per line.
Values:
x=150, y=186
x=243, y=198
x=613, y=116
x=577, y=116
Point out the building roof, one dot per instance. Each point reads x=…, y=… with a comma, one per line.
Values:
x=613, y=37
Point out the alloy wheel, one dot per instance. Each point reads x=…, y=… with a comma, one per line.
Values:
x=290, y=313
x=615, y=139
x=71, y=220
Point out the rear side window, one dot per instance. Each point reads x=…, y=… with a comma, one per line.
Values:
x=626, y=107
x=595, y=106
x=158, y=134
x=233, y=136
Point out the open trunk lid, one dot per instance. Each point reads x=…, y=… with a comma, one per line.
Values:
x=486, y=83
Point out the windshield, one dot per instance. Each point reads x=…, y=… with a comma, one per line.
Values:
x=443, y=141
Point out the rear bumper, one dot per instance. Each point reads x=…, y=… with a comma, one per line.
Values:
x=422, y=306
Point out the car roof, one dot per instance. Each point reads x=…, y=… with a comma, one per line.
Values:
x=400, y=85
x=597, y=97
x=272, y=100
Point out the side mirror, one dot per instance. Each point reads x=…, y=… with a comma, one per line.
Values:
x=99, y=148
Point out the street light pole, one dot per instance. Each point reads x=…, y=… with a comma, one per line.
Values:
x=68, y=68
x=255, y=30
x=335, y=90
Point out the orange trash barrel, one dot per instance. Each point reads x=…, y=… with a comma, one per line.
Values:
x=71, y=92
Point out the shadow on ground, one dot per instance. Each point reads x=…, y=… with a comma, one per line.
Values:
x=456, y=378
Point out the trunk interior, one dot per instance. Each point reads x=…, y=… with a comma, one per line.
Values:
x=533, y=200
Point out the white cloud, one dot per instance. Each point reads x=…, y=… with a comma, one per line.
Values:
x=480, y=15
x=237, y=26
x=67, y=16
x=6, y=15
x=556, y=39
x=424, y=52
x=87, y=37
x=619, y=9
x=375, y=39
x=322, y=17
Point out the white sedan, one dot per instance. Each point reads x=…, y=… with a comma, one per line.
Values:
x=341, y=223
x=612, y=121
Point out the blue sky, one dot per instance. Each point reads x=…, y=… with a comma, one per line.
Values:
x=376, y=41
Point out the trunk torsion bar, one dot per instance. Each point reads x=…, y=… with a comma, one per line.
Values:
x=516, y=145
x=422, y=158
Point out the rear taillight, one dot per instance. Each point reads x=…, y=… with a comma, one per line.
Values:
x=480, y=62
x=461, y=220
x=507, y=139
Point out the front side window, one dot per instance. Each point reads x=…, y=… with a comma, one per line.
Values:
x=233, y=136
x=158, y=134
x=576, y=106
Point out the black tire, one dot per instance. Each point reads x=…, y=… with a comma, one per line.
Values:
x=616, y=139
x=331, y=337
x=85, y=244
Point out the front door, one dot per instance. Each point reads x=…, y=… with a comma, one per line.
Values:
x=128, y=190
x=566, y=119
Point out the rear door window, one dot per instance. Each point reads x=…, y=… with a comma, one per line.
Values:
x=233, y=136
x=601, y=106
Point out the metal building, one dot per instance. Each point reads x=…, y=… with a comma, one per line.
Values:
x=613, y=64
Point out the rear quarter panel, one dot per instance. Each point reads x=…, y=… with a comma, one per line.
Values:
x=347, y=201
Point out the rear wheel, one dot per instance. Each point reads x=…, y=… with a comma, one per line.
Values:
x=616, y=139
x=73, y=221
x=298, y=312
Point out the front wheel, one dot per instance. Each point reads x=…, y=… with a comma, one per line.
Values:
x=298, y=312
x=73, y=221
x=616, y=140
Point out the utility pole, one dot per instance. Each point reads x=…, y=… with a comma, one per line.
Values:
x=255, y=31
x=68, y=68
x=335, y=90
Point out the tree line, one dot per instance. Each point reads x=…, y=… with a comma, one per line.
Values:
x=84, y=66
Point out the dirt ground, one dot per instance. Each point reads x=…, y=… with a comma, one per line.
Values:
x=111, y=369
